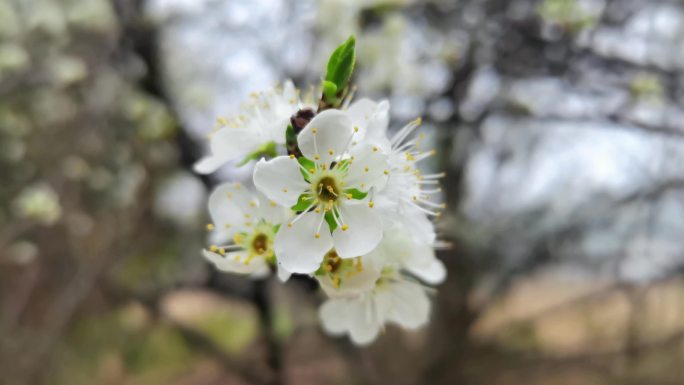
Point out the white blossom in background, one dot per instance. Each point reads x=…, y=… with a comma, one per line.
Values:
x=258, y=128
x=40, y=203
x=240, y=216
x=347, y=206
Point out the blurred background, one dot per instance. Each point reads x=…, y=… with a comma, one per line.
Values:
x=560, y=124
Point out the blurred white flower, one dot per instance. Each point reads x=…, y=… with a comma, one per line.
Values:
x=250, y=222
x=394, y=299
x=340, y=277
x=258, y=128
x=40, y=203
x=408, y=196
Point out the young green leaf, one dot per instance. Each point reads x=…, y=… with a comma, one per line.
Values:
x=341, y=64
x=329, y=91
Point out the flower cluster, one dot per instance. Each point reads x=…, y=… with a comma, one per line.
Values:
x=337, y=199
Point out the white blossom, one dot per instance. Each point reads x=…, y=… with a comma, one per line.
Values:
x=375, y=290
x=350, y=208
x=250, y=223
x=333, y=180
x=258, y=127
x=394, y=299
x=409, y=195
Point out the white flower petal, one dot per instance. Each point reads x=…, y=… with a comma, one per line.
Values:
x=227, y=144
x=363, y=328
x=326, y=135
x=423, y=263
x=228, y=205
x=333, y=316
x=209, y=164
x=370, y=117
x=283, y=274
x=280, y=180
x=420, y=226
x=404, y=303
x=289, y=92
x=257, y=267
x=368, y=169
x=271, y=211
x=363, y=234
x=353, y=316
x=298, y=249
x=377, y=126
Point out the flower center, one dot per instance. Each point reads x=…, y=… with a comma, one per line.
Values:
x=260, y=243
x=332, y=262
x=338, y=269
x=327, y=190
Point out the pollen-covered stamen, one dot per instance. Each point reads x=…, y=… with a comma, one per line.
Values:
x=327, y=189
x=338, y=269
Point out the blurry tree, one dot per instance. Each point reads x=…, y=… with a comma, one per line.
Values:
x=560, y=122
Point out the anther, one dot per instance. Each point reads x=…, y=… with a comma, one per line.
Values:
x=317, y=235
x=292, y=156
x=345, y=227
x=210, y=226
x=371, y=204
x=284, y=190
x=386, y=172
x=213, y=248
x=331, y=152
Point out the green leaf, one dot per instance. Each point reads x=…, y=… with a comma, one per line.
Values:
x=329, y=90
x=341, y=64
x=302, y=203
x=331, y=220
x=356, y=194
x=308, y=164
x=266, y=149
x=276, y=228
